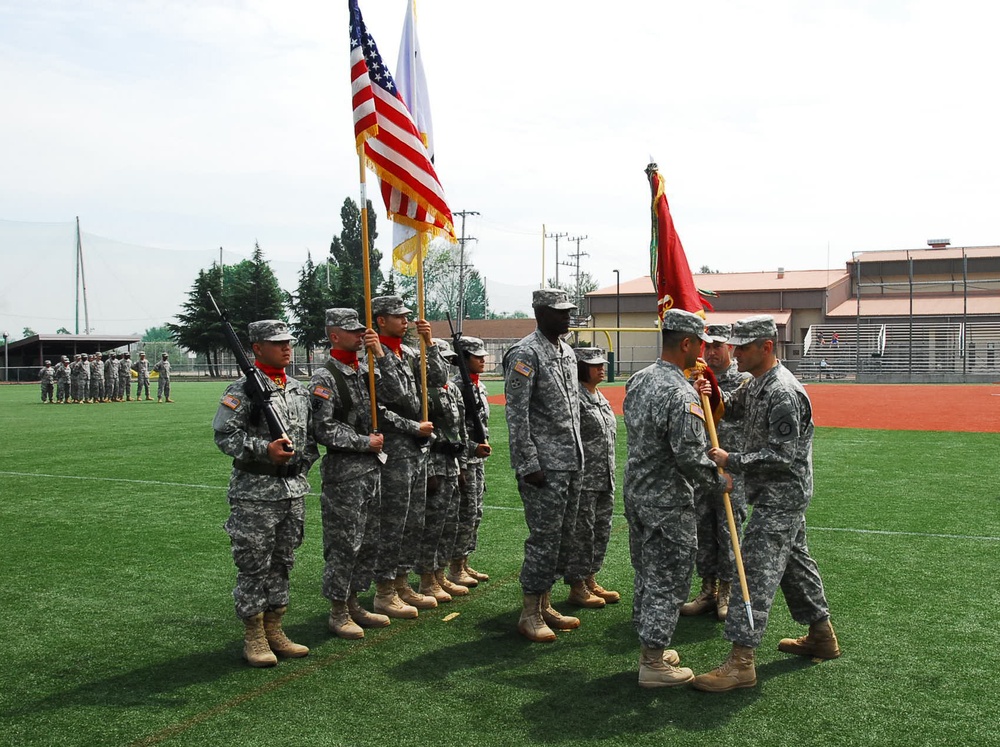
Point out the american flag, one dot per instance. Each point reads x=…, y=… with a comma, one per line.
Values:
x=388, y=139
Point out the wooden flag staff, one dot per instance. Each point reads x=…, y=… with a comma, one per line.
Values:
x=369, y=322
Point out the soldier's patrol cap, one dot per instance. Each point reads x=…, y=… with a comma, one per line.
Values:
x=128, y=355
x=65, y=357
x=345, y=319
x=388, y=306
x=753, y=328
x=678, y=320
x=472, y=346
x=76, y=355
x=48, y=363
x=552, y=298
x=445, y=347
x=718, y=332
x=590, y=356
x=269, y=330
x=142, y=352
x=165, y=355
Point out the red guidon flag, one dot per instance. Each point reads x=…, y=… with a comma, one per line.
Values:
x=389, y=141
x=669, y=269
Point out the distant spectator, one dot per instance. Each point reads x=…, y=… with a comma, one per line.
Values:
x=824, y=369
x=835, y=340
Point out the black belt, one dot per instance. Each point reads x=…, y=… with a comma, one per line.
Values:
x=273, y=470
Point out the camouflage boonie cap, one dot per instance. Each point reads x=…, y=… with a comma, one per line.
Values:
x=388, y=306
x=269, y=330
x=472, y=346
x=590, y=356
x=718, y=332
x=445, y=347
x=345, y=319
x=552, y=298
x=677, y=320
x=753, y=328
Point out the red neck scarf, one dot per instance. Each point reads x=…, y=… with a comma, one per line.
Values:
x=395, y=344
x=277, y=375
x=347, y=357
x=475, y=378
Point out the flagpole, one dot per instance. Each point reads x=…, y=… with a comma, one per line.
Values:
x=369, y=323
x=730, y=519
x=424, y=238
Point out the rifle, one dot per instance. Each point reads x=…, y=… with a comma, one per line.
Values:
x=257, y=386
x=470, y=392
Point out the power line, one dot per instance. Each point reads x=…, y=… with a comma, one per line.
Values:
x=556, y=236
x=461, y=267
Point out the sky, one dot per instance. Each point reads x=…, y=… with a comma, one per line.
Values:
x=789, y=134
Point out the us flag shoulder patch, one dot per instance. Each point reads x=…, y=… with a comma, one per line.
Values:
x=696, y=410
x=523, y=368
x=231, y=402
x=322, y=392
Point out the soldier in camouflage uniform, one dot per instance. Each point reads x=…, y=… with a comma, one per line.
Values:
x=46, y=378
x=463, y=528
x=776, y=462
x=404, y=477
x=546, y=452
x=141, y=368
x=599, y=431
x=351, y=468
x=667, y=464
x=76, y=378
x=125, y=377
x=97, y=378
x=86, y=385
x=163, y=383
x=62, y=381
x=715, y=562
x=266, y=492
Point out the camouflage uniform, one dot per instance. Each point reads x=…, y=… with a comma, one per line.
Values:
x=46, y=377
x=776, y=463
x=351, y=495
x=62, y=381
x=125, y=377
x=76, y=378
x=86, y=390
x=267, y=505
x=543, y=421
x=141, y=367
x=163, y=383
x=599, y=432
x=97, y=378
x=111, y=377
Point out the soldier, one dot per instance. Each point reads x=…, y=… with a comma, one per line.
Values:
x=351, y=469
x=464, y=527
x=266, y=493
x=776, y=463
x=666, y=465
x=715, y=561
x=404, y=477
x=76, y=379
x=141, y=368
x=543, y=421
x=62, y=381
x=448, y=449
x=111, y=378
x=599, y=431
x=86, y=388
x=46, y=377
x=125, y=376
x=163, y=383
x=97, y=378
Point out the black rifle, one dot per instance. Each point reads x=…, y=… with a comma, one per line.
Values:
x=258, y=386
x=470, y=392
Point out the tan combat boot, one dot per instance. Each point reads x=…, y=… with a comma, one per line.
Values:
x=581, y=596
x=531, y=625
x=340, y=623
x=277, y=641
x=722, y=599
x=611, y=597
x=819, y=643
x=704, y=602
x=735, y=672
x=431, y=588
x=553, y=618
x=255, y=648
x=456, y=590
x=457, y=575
x=363, y=617
x=387, y=602
x=478, y=575
x=658, y=668
x=408, y=596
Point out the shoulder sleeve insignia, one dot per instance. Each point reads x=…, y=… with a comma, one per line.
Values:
x=231, y=402
x=322, y=392
x=523, y=368
x=696, y=410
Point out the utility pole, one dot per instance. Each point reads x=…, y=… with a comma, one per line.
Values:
x=461, y=267
x=576, y=264
x=556, y=236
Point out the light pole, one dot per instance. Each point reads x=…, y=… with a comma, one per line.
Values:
x=618, y=320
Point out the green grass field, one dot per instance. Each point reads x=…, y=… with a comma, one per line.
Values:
x=119, y=629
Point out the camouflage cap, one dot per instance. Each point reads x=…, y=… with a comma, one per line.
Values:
x=445, y=347
x=388, y=306
x=76, y=355
x=590, y=356
x=718, y=332
x=142, y=353
x=165, y=355
x=98, y=355
x=552, y=298
x=677, y=320
x=48, y=363
x=269, y=330
x=753, y=328
x=345, y=319
x=472, y=346
x=65, y=357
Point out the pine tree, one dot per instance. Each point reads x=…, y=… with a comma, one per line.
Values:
x=347, y=255
x=199, y=328
x=308, y=305
x=252, y=293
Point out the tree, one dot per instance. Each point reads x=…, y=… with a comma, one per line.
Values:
x=441, y=284
x=63, y=331
x=706, y=270
x=508, y=315
x=199, y=328
x=476, y=300
x=345, y=251
x=252, y=293
x=157, y=334
x=308, y=305
x=28, y=332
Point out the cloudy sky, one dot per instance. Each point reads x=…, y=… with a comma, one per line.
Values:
x=789, y=133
